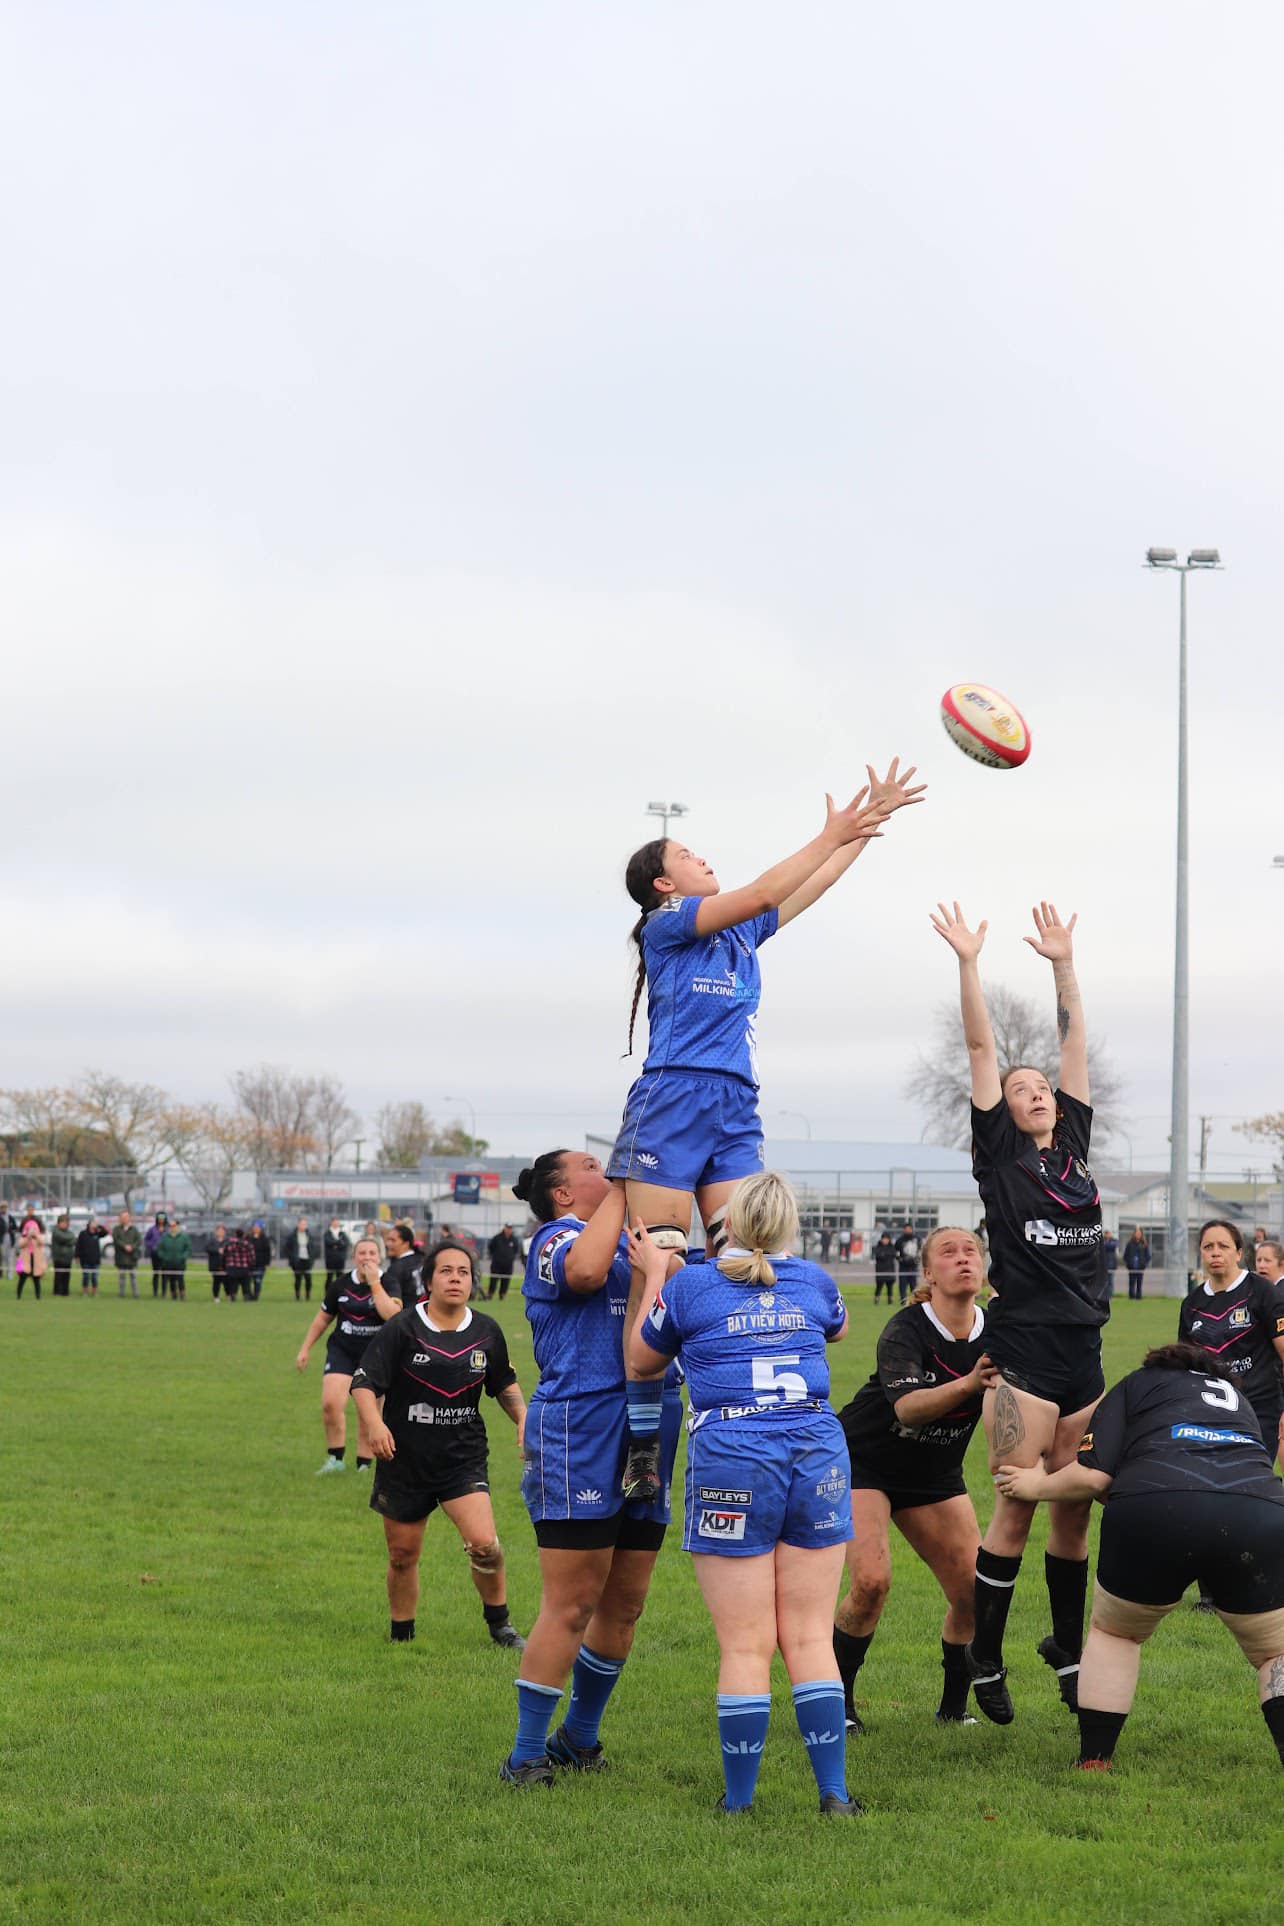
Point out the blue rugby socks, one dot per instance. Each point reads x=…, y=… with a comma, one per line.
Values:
x=818, y=1708
x=644, y=1407
x=592, y=1682
x=742, y=1729
x=535, y=1707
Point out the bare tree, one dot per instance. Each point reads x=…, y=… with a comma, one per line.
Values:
x=209, y=1145
x=1267, y=1129
x=406, y=1134
x=941, y=1083
x=278, y=1111
x=131, y=1119
x=49, y=1120
x=335, y=1122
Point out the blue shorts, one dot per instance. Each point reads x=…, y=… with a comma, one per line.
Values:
x=575, y=1454
x=755, y=1483
x=683, y=1130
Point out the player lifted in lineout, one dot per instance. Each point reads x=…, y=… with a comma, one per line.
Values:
x=691, y=1127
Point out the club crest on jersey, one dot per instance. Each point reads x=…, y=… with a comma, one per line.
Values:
x=728, y=1526
x=477, y=1362
x=1240, y=1318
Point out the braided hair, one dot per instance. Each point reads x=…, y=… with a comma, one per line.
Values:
x=645, y=867
x=536, y=1184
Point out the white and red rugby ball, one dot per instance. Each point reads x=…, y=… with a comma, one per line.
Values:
x=985, y=725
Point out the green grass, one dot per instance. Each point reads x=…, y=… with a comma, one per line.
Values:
x=237, y=1740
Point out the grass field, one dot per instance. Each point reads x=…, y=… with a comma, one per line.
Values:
x=203, y=1719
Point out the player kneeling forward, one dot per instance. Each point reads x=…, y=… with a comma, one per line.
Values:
x=430, y=1365
x=908, y=1431
x=597, y=1550
x=767, y=1512
x=1177, y=1458
x=691, y=1126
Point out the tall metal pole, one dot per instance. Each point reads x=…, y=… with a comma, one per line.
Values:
x=1179, y=1165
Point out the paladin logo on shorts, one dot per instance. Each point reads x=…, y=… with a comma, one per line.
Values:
x=729, y=1526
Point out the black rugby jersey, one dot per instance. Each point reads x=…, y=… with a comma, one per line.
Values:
x=404, y=1276
x=1043, y=1218
x=351, y=1304
x=1177, y=1431
x=915, y=1353
x=1239, y=1326
x=432, y=1381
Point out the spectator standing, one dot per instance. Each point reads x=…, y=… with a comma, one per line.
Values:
x=300, y=1254
x=1136, y=1260
x=1109, y=1259
x=216, y=1254
x=505, y=1252
x=907, y=1262
x=238, y=1262
x=33, y=1259
x=151, y=1247
x=63, y=1251
x=262, y=1259
x=884, y=1265
x=372, y=1230
x=844, y=1245
x=89, y=1255
x=336, y=1246
x=174, y=1250
x=8, y=1241
x=127, y=1245
x=826, y=1241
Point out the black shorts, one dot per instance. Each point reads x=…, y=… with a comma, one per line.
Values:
x=408, y=1498
x=1154, y=1545
x=1060, y=1363
x=594, y=1534
x=339, y=1358
x=901, y=1497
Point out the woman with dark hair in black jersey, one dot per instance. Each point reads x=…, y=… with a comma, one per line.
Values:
x=1175, y=1456
x=1043, y=1218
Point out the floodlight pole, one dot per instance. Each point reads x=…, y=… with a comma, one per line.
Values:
x=664, y=810
x=1179, y=1140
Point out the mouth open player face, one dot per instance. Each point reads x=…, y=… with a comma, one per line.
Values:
x=687, y=873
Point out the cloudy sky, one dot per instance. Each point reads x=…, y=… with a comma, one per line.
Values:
x=433, y=431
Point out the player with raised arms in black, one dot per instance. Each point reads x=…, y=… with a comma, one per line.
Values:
x=908, y=1430
x=430, y=1366
x=1175, y=1455
x=1043, y=1219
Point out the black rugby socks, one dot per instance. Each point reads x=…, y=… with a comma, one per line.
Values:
x=958, y=1682
x=850, y=1649
x=1098, y=1735
x=995, y=1579
x=1067, y=1594
x=1273, y=1713
x=403, y=1630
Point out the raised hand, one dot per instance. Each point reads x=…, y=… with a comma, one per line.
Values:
x=892, y=791
x=1055, y=939
x=860, y=819
x=965, y=943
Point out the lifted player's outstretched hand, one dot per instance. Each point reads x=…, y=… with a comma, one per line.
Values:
x=857, y=822
x=965, y=943
x=1055, y=939
x=892, y=791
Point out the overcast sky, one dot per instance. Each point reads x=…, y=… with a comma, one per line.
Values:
x=432, y=431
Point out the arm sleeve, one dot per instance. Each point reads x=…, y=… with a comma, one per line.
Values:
x=764, y=926
x=671, y=929
x=1103, y=1443
x=499, y=1372
x=900, y=1364
x=836, y=1310
x=995, y=1138
x=330, y=1302
x=1269, y=1307
x=378, y=1361
x=549, y=1279
x=659, y=1328
x=1074, y=1125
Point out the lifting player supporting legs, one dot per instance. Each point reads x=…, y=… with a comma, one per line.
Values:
x=1024, y=1430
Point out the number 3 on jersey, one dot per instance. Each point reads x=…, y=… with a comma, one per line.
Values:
x=1220, y=1394
x=775, y=1386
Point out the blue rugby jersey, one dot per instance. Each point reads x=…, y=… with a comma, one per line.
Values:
x=703, y=991
x=747, y=1346
x=577, y=1337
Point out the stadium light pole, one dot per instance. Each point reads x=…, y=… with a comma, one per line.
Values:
x=666, y=809
x=1179, y=1158
x=472, y=1113
x=804, y=1121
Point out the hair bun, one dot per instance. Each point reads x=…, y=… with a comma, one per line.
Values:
x=522, y=1185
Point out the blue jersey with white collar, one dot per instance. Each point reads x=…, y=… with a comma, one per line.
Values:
x=751, y=1348
x=703, y=991
x=577, y=1335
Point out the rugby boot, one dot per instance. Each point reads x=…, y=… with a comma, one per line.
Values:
x=575, y=1758
x=1066, y=1669
x=642, y=1472
x=831, y=1806
x=531, y=1772
x=990, y=1688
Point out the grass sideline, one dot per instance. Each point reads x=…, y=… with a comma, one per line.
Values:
x=203, y=1719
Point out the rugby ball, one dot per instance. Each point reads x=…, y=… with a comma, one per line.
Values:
x=985, y=725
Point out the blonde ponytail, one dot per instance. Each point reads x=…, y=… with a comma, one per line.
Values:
x=762, y=1216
